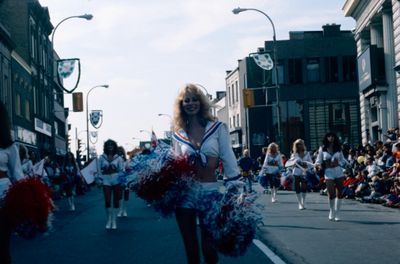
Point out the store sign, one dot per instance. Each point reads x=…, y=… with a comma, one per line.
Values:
x=42, y=127
x=26, y=136
x=364, y=70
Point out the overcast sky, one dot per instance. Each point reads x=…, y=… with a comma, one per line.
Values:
x=147, y=49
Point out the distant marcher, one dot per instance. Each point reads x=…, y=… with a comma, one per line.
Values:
x=272, y=167
x=111, y=164
x=303, y=162
x=331, y=159
x=124, y=187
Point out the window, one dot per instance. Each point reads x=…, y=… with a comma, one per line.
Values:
x=331, y=69
x=233, y=93
x=281, y=72
x=35, y=104
x=56, y=130
x=230, y=95
x=237, y=91
x=237, y=120
x=234, y=121
x=18, y=104
x=295, y=71
x=312, y=68
x=349, y=68
x=27, y=110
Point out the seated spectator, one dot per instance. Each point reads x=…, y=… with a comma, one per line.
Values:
x=349, y=186
x=363, y=188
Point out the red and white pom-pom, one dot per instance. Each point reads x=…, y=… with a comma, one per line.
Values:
x=28, y=203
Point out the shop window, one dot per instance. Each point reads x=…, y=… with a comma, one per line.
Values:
x=331, y=69
x=349, y=68
x=312, y=67
x=295, y=71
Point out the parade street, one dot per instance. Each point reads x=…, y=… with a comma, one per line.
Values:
x=368, y=233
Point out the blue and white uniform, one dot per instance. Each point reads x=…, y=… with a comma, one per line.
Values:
x=110, y=169
x=325, y=157
x=215, y=143
x=298, y=170
x=10, y=166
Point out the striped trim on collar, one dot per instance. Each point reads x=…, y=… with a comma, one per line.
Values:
x=181, y=135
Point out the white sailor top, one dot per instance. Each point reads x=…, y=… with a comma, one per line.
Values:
x=215, y=143
x=11, y=165
x=27, y=167
x=298, y=170
x=272, y=164
x=111, y=167
x=332, y=172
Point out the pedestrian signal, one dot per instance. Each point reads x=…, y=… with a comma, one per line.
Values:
x=248, y=97
x=77, y=102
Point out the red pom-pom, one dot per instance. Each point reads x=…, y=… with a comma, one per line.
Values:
x=153, y=187
x=28, y=201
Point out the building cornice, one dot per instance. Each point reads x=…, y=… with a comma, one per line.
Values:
x=349, y=7
x=21, y=62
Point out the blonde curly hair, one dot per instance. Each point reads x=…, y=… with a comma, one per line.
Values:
x=180, y=118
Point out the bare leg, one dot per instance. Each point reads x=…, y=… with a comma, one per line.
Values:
x=186, y=219
x=209, y=252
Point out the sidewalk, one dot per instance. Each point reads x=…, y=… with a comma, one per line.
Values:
x=307, y=236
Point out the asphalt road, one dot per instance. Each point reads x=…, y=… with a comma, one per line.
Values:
x=80, y=237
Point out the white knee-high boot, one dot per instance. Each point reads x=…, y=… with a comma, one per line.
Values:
x=109, y=212
x=125, y=205
x=338, y=204
x=303, y=199
x=298, y=195
x=273, y=194
x=114, y=218
x=331, y=209
x=121, y=209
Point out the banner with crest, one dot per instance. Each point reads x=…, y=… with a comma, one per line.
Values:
x=96, y=118
x=65, y=69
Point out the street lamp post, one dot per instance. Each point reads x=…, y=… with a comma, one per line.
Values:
x=209, y=96
x=87, y=117
x=85, y=16
x=278, y=115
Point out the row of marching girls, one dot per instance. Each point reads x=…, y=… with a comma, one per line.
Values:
x=25, y=202
x=329, y=162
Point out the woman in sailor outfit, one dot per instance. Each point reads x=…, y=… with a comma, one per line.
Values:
x=302, y=162
x=331, y=159
x=111, y=164
x=205, y=141
x=272, y=167
x=26, y=163
x=10, y=172
x=72, y=174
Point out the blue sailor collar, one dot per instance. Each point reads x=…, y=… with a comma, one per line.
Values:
x=196, y=153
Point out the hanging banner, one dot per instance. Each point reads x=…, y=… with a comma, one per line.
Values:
x=263, y=60
x=93, y=137
x=96, y=118
x=65, y=68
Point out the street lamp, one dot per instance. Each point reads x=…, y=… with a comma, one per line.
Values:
x=209, y=96
x=87, y=117
x=278, y=115
x=85, y=16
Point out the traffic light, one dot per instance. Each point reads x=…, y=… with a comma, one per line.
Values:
x=77, y=102
x=78, y=151
x=68, y=142
x=248, y=97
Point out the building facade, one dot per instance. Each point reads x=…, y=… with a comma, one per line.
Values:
x=377, y=35
x=35, y=101
x=317, y=92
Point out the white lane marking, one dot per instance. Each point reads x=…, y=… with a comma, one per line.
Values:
x=271, y=255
